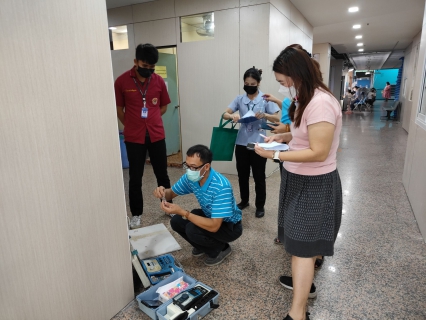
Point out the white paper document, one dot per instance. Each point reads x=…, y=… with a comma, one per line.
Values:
x=153, y=241
x=274, y=146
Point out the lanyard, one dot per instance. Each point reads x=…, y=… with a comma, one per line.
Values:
x=143, y=93
x=252, y=107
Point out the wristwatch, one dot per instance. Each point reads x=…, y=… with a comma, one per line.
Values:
x=276, y=156
x=185, y=217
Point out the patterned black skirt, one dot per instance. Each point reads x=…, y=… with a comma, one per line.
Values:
x=310, y=212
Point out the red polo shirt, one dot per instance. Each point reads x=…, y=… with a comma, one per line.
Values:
x=127, y=95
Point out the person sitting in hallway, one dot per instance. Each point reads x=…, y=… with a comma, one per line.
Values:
x=209, y=229
x=371, y=96
x=356, y=98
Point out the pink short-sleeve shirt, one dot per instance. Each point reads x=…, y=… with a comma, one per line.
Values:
x=323, y=107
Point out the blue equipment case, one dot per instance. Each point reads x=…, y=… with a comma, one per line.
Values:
x=160, y=312
x=159, y=268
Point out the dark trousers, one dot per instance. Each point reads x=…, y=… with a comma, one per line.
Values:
x=247, y=159
x=212, y=243
x=136, y=153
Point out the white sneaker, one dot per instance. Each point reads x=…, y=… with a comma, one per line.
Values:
x=135, y=222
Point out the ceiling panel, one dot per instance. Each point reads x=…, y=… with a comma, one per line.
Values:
x=386, y=25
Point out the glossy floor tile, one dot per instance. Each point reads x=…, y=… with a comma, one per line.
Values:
x=379, y=267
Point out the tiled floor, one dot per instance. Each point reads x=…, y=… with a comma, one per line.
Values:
x=379, y=267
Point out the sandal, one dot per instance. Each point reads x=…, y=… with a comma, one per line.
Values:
x=319, y=262
x=277, y=241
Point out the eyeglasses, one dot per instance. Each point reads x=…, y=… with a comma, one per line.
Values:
x=185, y=166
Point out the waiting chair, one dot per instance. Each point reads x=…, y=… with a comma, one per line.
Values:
x=395, y=106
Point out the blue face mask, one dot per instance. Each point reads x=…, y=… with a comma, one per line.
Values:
x=194, y=176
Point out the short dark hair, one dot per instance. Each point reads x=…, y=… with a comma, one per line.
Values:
x=202, y=152
x=254, y=73
x=147, y=52
x=387, y=82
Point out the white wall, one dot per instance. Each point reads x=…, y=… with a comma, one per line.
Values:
x=410, y=62
x=324, y=49
x=414, y=177
x=209, y=79
x=336, y=77
x=210, y=72
x=64, y=250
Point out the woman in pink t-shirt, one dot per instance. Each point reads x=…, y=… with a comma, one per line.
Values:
x=387, y=91
x=310, y=206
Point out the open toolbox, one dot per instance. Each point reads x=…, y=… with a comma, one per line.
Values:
x=193, y=303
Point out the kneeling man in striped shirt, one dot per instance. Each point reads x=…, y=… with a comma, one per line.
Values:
x=209, y=229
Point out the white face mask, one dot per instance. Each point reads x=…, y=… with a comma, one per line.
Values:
x=289, y=92
x=195, y=176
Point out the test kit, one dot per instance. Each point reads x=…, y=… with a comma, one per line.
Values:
x=159, y=268
x=192, y=303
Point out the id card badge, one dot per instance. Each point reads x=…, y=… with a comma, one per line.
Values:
x=144, y=114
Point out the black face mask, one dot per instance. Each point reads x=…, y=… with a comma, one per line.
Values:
x=250, y=89
x=145, y=72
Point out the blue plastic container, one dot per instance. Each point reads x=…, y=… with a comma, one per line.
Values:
x=123, y=151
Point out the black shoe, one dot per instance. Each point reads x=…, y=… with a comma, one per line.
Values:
x=197, y=252
x=242, y=205
x=290, y=318
x=260, y=213
x=287, y=282
x=319, y=262
x=209, y=261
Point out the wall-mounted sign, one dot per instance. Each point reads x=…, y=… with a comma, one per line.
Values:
x=161, y=71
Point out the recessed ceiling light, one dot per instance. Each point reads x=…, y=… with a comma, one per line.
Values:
x=353, y=9
x=358, y=37
x=112, y=28
x=360, y=50
x=356, y=26
x=360, y=44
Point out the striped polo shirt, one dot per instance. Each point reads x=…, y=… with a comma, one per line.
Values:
x=215, y=197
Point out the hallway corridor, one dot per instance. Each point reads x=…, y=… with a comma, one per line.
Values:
x=379, y=267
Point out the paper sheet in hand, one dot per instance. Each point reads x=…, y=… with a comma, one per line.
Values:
x=248, y=117
x=274, y=146
x=153, y=241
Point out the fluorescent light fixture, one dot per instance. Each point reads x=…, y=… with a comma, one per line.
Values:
x=358, y=37
x=360, y=50
x=360, y=44
x=112, y=28
x=353, y=9
x=356, y=26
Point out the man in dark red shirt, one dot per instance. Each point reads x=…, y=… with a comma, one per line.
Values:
x=141, y=98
